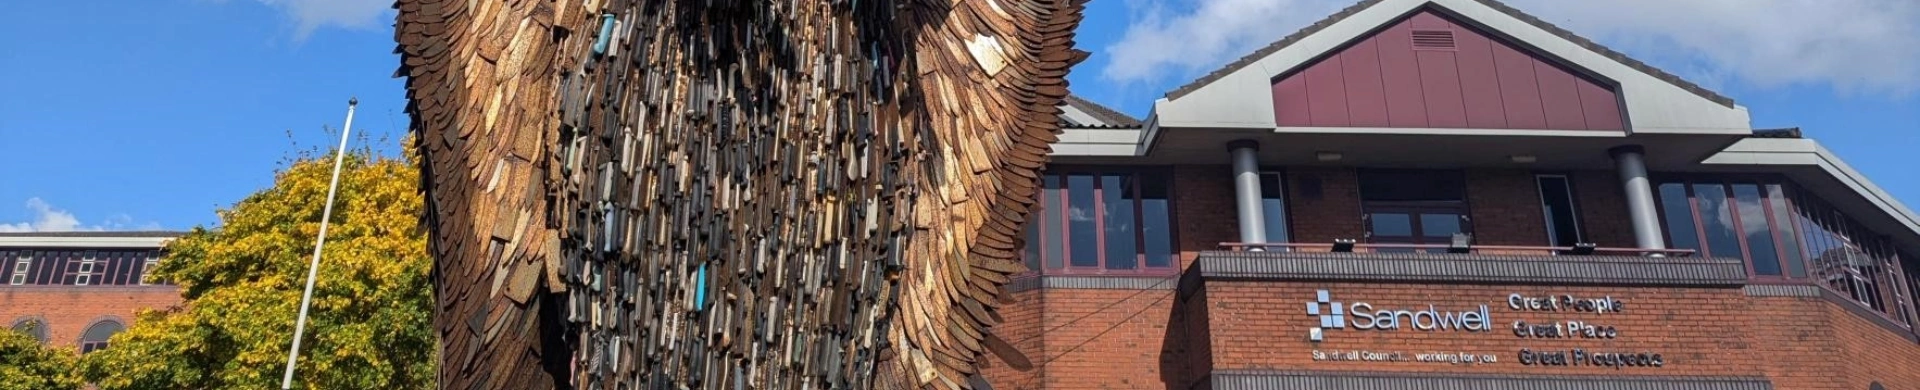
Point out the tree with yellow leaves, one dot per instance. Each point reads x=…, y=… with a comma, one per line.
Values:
x=368, y=327
x=27, y=365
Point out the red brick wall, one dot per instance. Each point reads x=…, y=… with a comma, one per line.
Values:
x=1798, y=343
x=1869, y=354
x=1204, y=209
x=1798, y=327
x=69, y=310
x=1023, y=330
x=1334, y=213
x=1105, y=339
x=1505, y=206
x=1602, y=205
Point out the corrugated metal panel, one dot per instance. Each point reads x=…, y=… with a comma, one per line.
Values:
x=1094, y=282
x=1251, y=380
x=1615, y=270
x=1109, y=282
x=1770, y=290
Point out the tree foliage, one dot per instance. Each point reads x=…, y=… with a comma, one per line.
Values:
x=26, y=365
x=369, y=326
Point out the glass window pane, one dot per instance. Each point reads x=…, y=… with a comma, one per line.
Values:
x=1156, y=226
x=1753, y=225
x=1052, y=233
x=1117, y=216
x=1789, y=231
x=1556, y=201
x=1273, y=206
x=1391, y=224
x=1439, y=225
x=1678, y=213
x=1716, y=220
x=1084, y=233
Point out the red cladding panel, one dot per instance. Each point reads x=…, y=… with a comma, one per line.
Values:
x=1327, y=94
x=1405, y=105
x=1366, y=93
x=1457, y=78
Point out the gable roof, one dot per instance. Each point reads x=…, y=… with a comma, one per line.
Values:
x=1583, y=42
x=1103, y=117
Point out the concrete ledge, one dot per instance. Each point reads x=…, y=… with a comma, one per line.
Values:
x=1863, y=312
x=1445, y=267
x=1167, y=282
x=1250, y=380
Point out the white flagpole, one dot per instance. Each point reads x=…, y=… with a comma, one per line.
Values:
x=326, y=213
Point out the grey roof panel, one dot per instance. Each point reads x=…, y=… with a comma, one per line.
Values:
x=1108, y=117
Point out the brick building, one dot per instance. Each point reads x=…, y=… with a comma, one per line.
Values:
x=76, y=289
x=1418, y=193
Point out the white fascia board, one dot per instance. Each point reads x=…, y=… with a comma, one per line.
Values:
x=1098, y=142
x=83, y=242
x=1806, y=152
x=1449, y=132
x=1244, y=98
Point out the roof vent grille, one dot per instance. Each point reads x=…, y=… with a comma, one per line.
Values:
x=1433, y=40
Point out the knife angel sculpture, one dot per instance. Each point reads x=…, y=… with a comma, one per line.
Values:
x=709, y=194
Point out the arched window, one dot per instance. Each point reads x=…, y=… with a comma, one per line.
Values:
x=96, y=337
x=32, y=326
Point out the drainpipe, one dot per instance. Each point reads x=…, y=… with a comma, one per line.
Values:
x=1632, y=164
x=1246, y=192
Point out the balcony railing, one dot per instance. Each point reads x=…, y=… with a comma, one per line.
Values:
x=1348, y=246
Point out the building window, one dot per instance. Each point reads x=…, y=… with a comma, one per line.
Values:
x=21, y=268
x=152, y=259
x=101, y=267
x=1102, y=222
x=1784, y=233
x=1273, y=206
x=1556, y=203
x=1738, y=219
x=32, y=327
x=97, y=335
x=1413, y=207
x=85, y=274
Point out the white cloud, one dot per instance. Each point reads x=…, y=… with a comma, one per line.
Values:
x=1852, y=46
x=1163, y=40
x=309, y=15
x=50, y=219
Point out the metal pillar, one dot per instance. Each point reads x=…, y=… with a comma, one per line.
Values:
x=1246, y=191
x=1632, y=164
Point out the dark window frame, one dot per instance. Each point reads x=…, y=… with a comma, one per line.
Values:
x=1882, y=285
x=1580, y=232
x=1413, y=208
x=1061, y=220
x=89, y=344
x=1279, y=177
x=1727, y=182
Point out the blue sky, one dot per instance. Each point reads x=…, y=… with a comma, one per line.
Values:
x=154, y=114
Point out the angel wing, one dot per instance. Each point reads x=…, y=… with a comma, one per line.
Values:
x=766, y=194
x=480, y=79
x=994, y=74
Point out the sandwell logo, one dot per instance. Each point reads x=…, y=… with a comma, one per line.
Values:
x=1335, y=314
x=1331, y=318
